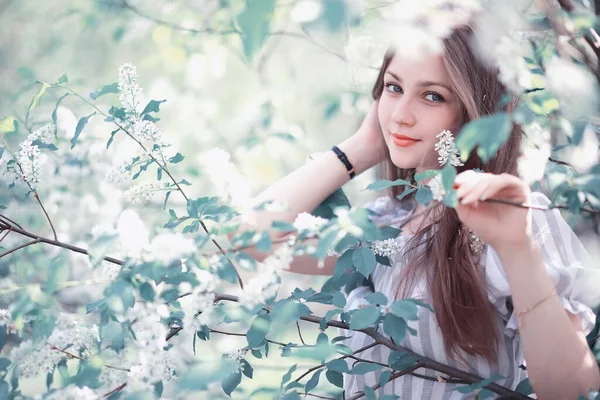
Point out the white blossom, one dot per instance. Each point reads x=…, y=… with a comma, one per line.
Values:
x=5, y=320
x=446, y=148
x=437, y=187
x=308, y=222
x=420, y=26
x=225, y=177
x=72, y=392
x=578, y=95
x=145, y=130
x=306, y=11
x=386, y=248
x=130, y=93
x=168, y=246
x=44, y=134
x=345, y=223
x=535, y=151
x=142, y=193
x=513, y=70
x=119, y=173
x=200, y=300
x=266, y=284
x=29, y=161
x=236, y=356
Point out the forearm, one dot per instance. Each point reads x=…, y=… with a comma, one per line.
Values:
x=308, y=186
x=559, y=362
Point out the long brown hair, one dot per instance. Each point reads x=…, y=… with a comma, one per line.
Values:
x=441, y=251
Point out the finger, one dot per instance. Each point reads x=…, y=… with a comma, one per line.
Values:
x=476, y=192
x=501, y=185
x=469, y=183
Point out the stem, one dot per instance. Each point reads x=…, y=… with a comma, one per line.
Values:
x=19, y=247
x=392, y=377
x=35, y=193
x=41, y=239
x=165, y=169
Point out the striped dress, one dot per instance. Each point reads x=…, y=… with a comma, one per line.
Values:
x=563, y=254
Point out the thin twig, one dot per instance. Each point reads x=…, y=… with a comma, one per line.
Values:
x=37, y=197
x=41, y=239
x=115, y=390
x=300, y=333
x=393, y=376
x=19, y=247
x=165, y=169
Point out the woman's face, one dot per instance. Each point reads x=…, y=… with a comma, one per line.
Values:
x=417, y=103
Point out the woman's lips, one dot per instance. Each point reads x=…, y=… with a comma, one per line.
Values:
x=403, y=141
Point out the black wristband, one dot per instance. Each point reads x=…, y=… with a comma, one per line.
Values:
x=342, y=156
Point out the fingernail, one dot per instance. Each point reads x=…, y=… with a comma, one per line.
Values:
x=456, y=185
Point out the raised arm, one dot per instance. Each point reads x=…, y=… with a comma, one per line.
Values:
x=308, y=186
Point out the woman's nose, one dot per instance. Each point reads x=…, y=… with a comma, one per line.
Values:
x=403, y=114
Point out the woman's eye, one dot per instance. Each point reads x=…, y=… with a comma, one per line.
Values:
x=434, y=97
x=392, y=87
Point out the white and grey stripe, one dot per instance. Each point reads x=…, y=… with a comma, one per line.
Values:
x=562, y=253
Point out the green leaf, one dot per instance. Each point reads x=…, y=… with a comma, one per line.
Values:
x=384, y=184
x=363, y=368
x=288, y=375
x=426, y=175
x=254, y=22
x=60, y=99
x=8, y=125
x=364, y=261
x=376, y=298
x=343, y=263
x=335, y=378
x=338, y=299
x=147, y=292
x=152, y=106
x=424, y=195
x=36, y=99
x=487, y=134
x=176, y=158
x=258, y=330
x=394, y=327
x=405, y=309
x=448, y=175
x=313, y=381
x=200, y=375
x=364, y=317
x=337, y=365
x=400, y=360
x=59, y=272
x=62, y=80
x=99, y=247
x=524, y=387
x=231, y=382
x=247, y=368
x=80, y=125
x=112, y=136
x=111, y=88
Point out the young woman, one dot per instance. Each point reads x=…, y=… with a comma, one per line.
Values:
x=513, y=296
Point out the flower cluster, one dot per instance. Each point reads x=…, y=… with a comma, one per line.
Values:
x=310, y=223
x=200, y=300
x=513, y=70
x=446, y=149
x=71, y=392
x=225, y=177
x=266, y=283
x=142, y=193
x=236, y=356
x=119, y=173
x=437, y=187
x=386, y=248
x=535, y=151
x=130, y=93
x=28, y=161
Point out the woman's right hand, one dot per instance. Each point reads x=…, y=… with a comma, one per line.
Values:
x=366, y=148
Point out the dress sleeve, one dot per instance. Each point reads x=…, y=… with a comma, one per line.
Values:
x=565, y=260
x=387, y=210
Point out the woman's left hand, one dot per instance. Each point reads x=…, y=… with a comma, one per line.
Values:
x=499, y=225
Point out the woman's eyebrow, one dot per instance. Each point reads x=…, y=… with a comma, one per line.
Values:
x=421, y=83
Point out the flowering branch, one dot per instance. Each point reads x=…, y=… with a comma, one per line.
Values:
x=382, y=340
x=163, y=166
